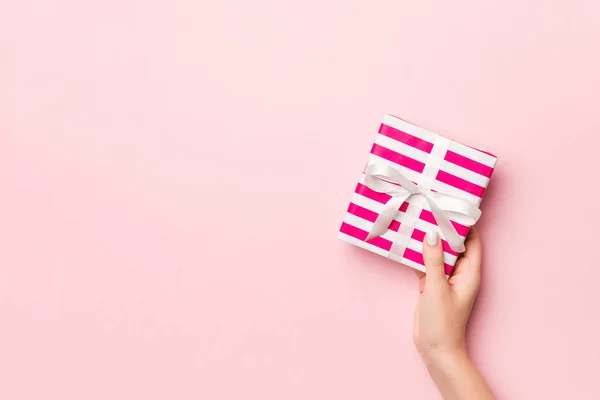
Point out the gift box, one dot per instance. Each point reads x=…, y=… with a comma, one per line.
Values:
x=416, y=181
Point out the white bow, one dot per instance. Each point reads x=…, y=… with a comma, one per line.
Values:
x=385, y=179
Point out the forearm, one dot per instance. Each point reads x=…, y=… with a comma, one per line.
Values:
x=456, y=377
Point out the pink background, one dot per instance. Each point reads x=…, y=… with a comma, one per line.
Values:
x=173, y=174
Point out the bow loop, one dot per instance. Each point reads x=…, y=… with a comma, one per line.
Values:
x=384, y=178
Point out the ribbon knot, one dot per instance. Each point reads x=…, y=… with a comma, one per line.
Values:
x=384, y=178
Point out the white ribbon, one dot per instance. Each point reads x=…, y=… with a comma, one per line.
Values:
x=384, y=178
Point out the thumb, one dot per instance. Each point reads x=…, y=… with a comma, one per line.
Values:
x=433, y=255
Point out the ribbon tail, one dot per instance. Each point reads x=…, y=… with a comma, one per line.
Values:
x=387, y=215
x=452, y=237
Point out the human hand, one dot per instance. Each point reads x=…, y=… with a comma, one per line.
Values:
x=444, y=304
x=441, y=318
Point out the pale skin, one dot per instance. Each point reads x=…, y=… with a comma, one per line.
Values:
x=441, y=318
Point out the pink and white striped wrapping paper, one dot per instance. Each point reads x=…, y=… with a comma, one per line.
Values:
x=464, y=173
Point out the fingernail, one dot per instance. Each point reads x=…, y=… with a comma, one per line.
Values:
x=432, y=237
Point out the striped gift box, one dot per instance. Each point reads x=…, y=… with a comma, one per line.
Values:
x=462, y=172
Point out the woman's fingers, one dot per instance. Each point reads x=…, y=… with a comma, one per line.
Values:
x=468, y=266
x=473, y=249
x=433, y=255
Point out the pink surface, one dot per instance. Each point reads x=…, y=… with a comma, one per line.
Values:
x=174, y=174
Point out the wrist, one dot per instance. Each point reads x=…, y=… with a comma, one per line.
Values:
x=455, y=376
x=444, y=359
